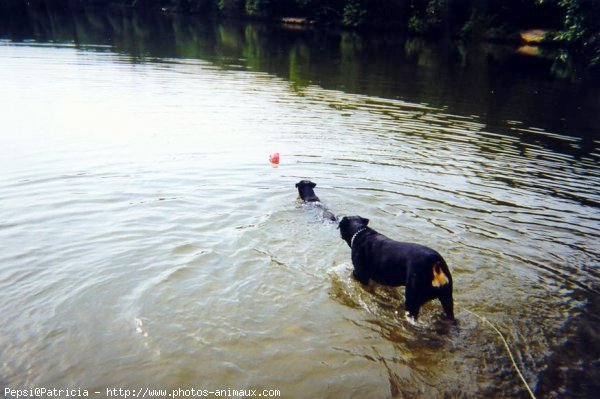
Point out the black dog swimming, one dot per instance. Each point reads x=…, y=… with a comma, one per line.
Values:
x=307, y=194
x=421, y=269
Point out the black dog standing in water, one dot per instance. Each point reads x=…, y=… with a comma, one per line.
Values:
x=421, y=269
x=307, y=194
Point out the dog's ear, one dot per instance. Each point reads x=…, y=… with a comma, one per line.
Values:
x=364, y=221
x=313, y=185
x=297, y=185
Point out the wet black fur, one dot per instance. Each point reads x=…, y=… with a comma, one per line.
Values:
x=389, y=262
x=307, y=194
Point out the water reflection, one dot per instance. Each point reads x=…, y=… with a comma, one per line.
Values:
x=496, y=82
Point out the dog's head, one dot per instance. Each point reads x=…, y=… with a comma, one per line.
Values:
x=305, y=190
x=305, y=183
x=349, y=225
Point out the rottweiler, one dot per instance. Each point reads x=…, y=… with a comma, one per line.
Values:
x=307, y=194
x=420, y=269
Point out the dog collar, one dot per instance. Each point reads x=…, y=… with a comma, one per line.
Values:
x=355, y=234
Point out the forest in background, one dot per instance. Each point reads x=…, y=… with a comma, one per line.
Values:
x=573, y=25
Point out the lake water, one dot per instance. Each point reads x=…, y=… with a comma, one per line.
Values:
x=147, y=241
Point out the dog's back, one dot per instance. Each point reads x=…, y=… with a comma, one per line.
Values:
x=412, y=257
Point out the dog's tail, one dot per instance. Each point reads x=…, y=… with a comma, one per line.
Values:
x=327, y=214
x=439, y=277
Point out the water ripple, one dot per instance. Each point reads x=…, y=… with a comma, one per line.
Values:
x=145, y=234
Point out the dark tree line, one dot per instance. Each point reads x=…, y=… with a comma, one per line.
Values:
x=575, y=23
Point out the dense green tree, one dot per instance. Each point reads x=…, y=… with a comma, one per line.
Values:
x=581, y=26
x=575, y=21
x=258, y=8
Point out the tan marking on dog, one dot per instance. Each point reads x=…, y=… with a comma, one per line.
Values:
x=439, y=278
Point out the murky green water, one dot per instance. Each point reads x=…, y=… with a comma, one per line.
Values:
x=147, y=242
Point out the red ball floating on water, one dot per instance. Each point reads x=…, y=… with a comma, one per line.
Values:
x=274, y=158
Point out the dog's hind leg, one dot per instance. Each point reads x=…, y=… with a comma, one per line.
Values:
x=411, y=300
x=448, y=305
